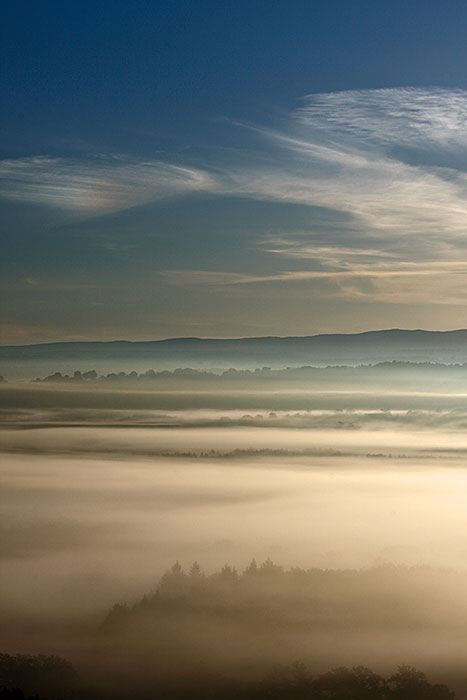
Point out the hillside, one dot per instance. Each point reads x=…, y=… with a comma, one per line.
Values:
x=350, y=349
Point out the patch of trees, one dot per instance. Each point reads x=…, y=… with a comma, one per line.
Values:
x=239, y=623
x=16, y=694
x=300, y=597
x=294, y=682
x=335, y=373
x=357, y=683
x=24, y=674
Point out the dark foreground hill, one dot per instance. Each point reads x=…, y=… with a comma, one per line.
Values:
x=351, y=349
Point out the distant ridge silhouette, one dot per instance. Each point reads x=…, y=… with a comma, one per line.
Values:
x=386, y=334
x=367, y=347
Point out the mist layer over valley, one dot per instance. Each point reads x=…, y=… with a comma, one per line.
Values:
x=233, y=351
x=350, y=498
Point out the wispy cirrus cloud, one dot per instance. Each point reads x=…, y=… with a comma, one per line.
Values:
x=350, y=143
x=339, y=151
x=398, y=283
x=401, y=269
x=420, y=117
x=394, y=162
x=97, y=185
x=389, y=166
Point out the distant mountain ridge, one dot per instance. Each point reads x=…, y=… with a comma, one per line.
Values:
x=397, y=336
x=367, y=347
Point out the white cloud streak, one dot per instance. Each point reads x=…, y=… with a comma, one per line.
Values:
x=403, y=269
x=420, y=117
x=346, y=158
x=99, y=185
x=392, y=161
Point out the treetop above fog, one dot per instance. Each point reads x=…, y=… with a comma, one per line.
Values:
x=338, y=372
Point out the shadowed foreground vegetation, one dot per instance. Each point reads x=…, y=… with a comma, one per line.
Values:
x=24, y=675
x=57, y=677
x=236, y=635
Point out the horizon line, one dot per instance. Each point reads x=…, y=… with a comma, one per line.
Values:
x=236, y=338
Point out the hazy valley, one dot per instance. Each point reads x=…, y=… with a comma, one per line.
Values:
x=350, y=484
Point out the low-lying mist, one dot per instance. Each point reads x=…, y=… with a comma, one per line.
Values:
x=362, y=506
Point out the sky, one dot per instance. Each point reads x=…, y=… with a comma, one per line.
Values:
x=226, y=169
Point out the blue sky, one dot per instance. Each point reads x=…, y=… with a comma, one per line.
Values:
x=229, y=169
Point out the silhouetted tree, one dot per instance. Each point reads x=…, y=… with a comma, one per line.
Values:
x=252, y=568
x=195, y=571
x=174, y=582
x=408, y=683
x=269, y=568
